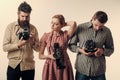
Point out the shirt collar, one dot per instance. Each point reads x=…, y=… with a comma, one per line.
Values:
x=57, y=35
x=16, y=23
x=91, y=26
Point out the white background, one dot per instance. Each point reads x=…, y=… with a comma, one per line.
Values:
x=78, y=10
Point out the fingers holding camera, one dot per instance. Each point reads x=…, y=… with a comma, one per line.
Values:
x=42, y=56
x=21, y=42
x=99, y=52
x=24, y=37
x=82, y=50
x=51, y=57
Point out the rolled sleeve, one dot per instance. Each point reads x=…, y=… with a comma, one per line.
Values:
x=73, y=44
x=109, y=45
x=8, y=45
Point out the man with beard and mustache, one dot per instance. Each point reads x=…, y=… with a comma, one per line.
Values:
x=20, y=51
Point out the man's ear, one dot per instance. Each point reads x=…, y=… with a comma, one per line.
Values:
x=93, y=18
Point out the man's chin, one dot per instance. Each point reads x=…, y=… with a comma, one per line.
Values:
x=23, y=23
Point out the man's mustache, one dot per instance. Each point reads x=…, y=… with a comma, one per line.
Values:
x=23, y=23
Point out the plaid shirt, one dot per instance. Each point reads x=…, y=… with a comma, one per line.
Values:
x=91, y=66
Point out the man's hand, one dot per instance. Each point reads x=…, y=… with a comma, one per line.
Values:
x=85, y=53
x=99, y=52
x=21, y=42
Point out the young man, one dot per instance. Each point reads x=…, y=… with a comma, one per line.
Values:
x=20, y=39
x=92, y=41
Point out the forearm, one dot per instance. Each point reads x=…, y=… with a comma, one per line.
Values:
x=108, y=52
x=109, y=45
x=73, y=44
x=73, y=48
x=41, y=56
x=72, y=27
x=70, y=23
x=10, y=47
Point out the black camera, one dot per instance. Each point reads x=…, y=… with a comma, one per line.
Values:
x=25, y=34
x=58, y=54
x=90, y=46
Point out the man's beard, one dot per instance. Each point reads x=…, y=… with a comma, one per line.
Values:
x=23, y=24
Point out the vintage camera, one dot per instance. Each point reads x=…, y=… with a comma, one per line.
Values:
x=25, y=34
x=90, y=46
x=26, y=31
x=58, y=54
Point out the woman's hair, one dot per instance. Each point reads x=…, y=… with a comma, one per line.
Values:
x=61, y=18
x=25, y=7
x=100, y=16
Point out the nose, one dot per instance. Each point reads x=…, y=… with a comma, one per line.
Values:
x=24, y=18
x=52, y=25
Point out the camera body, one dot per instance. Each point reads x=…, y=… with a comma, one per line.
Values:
x=90, y=46
x=25, y=34
x=58, y=54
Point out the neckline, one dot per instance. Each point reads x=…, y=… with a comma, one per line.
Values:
x=57, y=34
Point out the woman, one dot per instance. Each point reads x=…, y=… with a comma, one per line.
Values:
x=53, y=70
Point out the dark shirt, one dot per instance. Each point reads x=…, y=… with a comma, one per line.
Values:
x=91, y=66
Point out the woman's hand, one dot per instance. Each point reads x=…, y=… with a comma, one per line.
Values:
x=51, y=57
